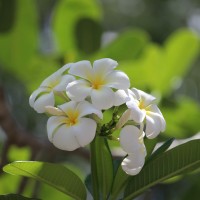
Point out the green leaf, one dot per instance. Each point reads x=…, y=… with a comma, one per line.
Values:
x=119, y=183
x=184, y=124
x=88, y=183
x=88, y=35
x=15, y=197
x=104, y=166
x=169, y=164
x=150, y=145
x=161, y=66
x=128, y=45
x=66, y=16
x=54, y=175
x=161, y=149
x=7, y=15
x=20, y=43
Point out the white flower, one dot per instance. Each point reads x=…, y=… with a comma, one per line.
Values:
x=131, y=140
x=44, y=95
x=142, y=109
x=97, y=82
x=70, y=130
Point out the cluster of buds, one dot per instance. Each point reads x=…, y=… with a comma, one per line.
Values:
x=77, y=94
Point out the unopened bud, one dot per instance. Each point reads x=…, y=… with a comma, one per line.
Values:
x=123, y=119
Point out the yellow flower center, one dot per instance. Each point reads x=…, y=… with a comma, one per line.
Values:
x=141, y=105
x=97, y=83
x=72, y=118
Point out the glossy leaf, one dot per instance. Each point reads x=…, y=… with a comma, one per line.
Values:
x=119, y=183
x=161, y=149
x=150, y=145
x=169, y=164
x=55, y=175
x=15, y=197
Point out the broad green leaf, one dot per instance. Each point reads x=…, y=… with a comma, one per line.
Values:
x=119, y=183
x=104, y=166
x=15, y=197
x=178, y=160
x=54, y=175
x=88, y=183
x=128, y=45
x=150, y=145
x=66, y=15
x=161, y=149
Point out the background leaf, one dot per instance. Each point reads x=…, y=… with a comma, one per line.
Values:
x=169, y=164
x=20, y=43
x=15, y=197
x=55, y=175
x=159, y=66
x=181, y=118
x=131, y=41
x=66, y=15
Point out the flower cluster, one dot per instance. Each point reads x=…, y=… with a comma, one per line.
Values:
x=88, y=90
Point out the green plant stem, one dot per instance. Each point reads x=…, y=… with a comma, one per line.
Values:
x=94, y=170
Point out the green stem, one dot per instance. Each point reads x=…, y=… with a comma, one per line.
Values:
x=94, y=170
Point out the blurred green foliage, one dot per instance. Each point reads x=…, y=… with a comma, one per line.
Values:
x=73, y=29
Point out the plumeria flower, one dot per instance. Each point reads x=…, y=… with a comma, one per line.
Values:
x=97, y=82
x=141, y=109
x=131, y=140
x=70, y=129
x=54, y=84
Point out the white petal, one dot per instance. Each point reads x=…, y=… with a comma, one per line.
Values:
x=133, y=163
x=155, y=109
x=118, y=80
x=64, y=138
x=121, y=97
x=78, y=90
x=86, y=108
x=53, y=123
x=82, y=69
x=65, y=80
x=104, y=66
x=35, y=94
x=64, y=68
x=79, y=135
x=43, y=101
x=68, y=107
x=137, y=114
x=51, y=80
x=85, y=131
x=154, y=125
x=103, y=98
x=131, y=140
x=146, y=99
